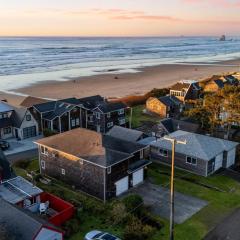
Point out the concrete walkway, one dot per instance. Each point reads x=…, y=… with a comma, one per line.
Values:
x=21, y=147
x=158, y=197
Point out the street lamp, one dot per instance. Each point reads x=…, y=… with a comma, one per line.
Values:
x=173, y=142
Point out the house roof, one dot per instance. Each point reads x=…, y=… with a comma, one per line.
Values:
x=91, y=146
x=172, y=125
x=30, y=101
x=128, y=134
x=17, y=189
x=198, y=146
x=45, y=107
x=19, y=223
x=169, y=101
x=185, y=84
x=219, y=83
x=91, y=102
x=4, y=107
x=18, y=116
x=59, y=109
x=106, y=107
x=4, y=166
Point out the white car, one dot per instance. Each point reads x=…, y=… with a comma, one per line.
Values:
x=98, y=235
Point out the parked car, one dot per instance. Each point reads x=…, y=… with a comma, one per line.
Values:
x=98, y=235
x=4, y=145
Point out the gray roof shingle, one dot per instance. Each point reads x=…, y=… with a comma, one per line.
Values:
x=199, y=146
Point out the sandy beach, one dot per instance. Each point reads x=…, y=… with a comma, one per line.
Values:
x=120, y=85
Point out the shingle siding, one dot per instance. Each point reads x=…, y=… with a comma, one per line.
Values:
x=78, y=173
x=180, y=161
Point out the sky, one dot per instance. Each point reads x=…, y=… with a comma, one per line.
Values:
x=119, y=17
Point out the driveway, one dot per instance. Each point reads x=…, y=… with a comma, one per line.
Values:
x=228, y=229
x=158, y=197
x=21, y=149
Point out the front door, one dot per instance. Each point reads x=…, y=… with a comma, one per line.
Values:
x=16, y=133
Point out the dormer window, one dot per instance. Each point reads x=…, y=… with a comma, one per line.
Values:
x=28, y=117
x=121, y=111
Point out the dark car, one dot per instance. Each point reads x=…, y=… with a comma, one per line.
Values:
x=4, y=145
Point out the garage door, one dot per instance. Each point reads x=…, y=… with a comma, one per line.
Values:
x=121, y=186
x=29, y=132
x=231, y=155
x=137, y=177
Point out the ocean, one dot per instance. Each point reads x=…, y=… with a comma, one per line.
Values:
x=25, y=61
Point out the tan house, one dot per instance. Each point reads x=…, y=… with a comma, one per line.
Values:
x=167, y=106
x=186, y=90
x=213, y=85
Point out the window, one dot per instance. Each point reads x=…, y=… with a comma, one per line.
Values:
x=43, y=164
x=163, y=152
x=1, y=116
x=98, y=115
x=121, y=111
x=44, y=150
x=73, y=122
x=141, y=154
x=122, y=121
x=110, y=124
x=77, y=121
x=7, y=130
x=108, y=115
x=63, y=171
x=28, y=117
x=109, y=170
x=90, y=118
x=5, y=115
x=191, y=160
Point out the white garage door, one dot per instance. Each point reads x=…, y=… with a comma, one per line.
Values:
x=218, y=161
x=121, y=186
x=137, y=177
x=231, y=157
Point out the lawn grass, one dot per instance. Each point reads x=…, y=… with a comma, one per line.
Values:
x=220, y=203
x=138, y=117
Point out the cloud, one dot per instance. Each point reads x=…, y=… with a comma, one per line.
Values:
x=216, y=3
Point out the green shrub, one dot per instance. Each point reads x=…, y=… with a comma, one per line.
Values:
x=136, y=230
x=118, y=213
x=47, y=132
x=133, y=202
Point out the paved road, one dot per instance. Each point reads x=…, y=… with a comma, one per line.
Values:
x=228, y=229
x=29, y=154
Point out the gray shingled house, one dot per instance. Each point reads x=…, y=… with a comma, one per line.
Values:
x=100, y=165
x=202, y=154
x=95, y=113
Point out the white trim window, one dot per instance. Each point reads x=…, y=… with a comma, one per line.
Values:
x=108, y=115
x=44, y=150
x=121, y=111
x=163, y=152
x=110, y=124
x=63, y=171
x=43, y=165
x=109, y=170
x=73, y=122
x=122, y=121
x=191, y=160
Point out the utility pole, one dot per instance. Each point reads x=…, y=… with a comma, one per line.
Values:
x=173, y=142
